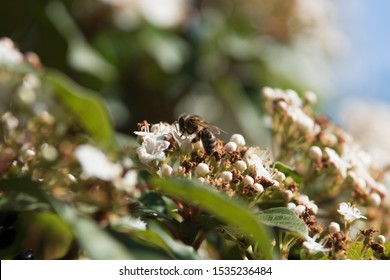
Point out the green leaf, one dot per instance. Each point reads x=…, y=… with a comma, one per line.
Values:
x=226, y=209
x=283, y=218
x=288, y=171
x=86, y=106
x=355, y=252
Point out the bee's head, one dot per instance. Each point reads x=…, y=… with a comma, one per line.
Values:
x=182, y=122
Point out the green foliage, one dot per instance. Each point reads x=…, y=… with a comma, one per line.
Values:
x=285, y=219
x=89, y=110
x=228, y=210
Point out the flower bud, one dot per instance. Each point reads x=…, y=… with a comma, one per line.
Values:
x=230, y=147
x=381, y=239
x=248, y=180
x=202, y=169
x=287, y=195
x=240, y=165
x=238, y=139
x=334, y=227
x=226, y=176
x=315, y=153
x=258, y=187
x=166, y=170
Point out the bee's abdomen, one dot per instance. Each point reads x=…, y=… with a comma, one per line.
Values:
x=208, y=141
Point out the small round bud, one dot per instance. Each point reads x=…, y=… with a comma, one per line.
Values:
x=202, y=169
x=186, y=146
x=315, y=153
x=230, y=147
x=201, y=179
x=376, y=199
x=226, y=176
x=240, y=165
x=248, y=180
x=334, y=227
x=166, y=170
x=49, y=152
x=238, y=139
x=268, y=93
x=279, y=176
x=291, y=206
x=300, y=209
x=381, y=239
x=10, y=121
x=258, y=187
x=287, y=195
x=310, y=97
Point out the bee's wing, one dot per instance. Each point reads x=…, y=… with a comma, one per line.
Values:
x=213, y=128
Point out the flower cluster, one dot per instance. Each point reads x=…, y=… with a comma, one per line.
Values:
x=328, y=159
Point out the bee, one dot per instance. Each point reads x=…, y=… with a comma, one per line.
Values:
x=205, y=132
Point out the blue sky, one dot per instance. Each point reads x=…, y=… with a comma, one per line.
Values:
x=364, y=70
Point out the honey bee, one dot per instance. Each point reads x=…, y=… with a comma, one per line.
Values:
x=205, y=132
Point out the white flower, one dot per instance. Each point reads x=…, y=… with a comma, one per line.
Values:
x=157, y=131
x=129, y=221
x=340, y=164
x=304, y=199
x=95, y=163
x=313, y=246
x=128, y=181
x=9, y=55
x=349, y=212
x=315, y=153
x=253, y=158
x=152, y=149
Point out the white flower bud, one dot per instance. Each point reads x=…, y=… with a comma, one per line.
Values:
x=258, y=187
x=268, y=93
x=49, y=152
x=376, y=199
x=291, y=206
x=166, y=170
x=315, y=153
x=238, y=139
x=300, y=209
x=186, y=146
x=381, y=239
x=230, y=147
x=287, y=195
x=279, y=176
x=202, y=169
x=240, y=165
x=310, y=97
x=248, y=180
x=201, y=179
x=334, y=227
x=10, y=121
x=226, y=176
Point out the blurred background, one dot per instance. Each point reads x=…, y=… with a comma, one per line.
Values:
x=154, y=59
